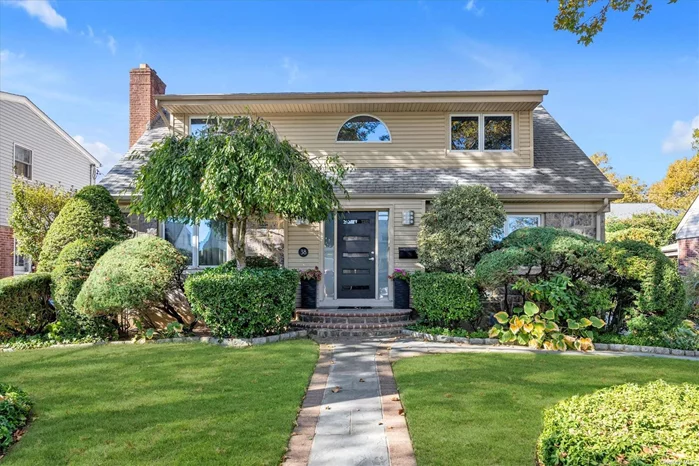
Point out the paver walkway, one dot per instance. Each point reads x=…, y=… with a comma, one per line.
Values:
x=350, y=430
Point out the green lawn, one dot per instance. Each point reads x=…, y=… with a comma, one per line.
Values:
x=160, y=404
x=486, y=409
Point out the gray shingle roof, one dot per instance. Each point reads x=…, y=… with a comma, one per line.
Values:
x=560, y=167
x=120, y=178
x=629, y=209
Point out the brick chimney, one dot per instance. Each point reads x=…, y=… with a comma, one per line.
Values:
x=144, y=84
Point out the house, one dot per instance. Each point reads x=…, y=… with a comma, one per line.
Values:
x=33, y=146
x=406, y=147
x=686, y=249
x=625, y=210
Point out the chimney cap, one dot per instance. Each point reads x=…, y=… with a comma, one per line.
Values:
x=144, y=66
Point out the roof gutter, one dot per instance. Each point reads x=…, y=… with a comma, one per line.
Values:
x=514, y=196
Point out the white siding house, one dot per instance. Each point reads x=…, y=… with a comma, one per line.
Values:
x=34, y=146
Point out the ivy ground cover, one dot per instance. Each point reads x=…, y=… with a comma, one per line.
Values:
x=486, y=409
x=159, y=404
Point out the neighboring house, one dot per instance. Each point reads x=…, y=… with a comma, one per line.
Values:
x=686, y=249
x=33, y=146
x=629, y=209
x=406, y=147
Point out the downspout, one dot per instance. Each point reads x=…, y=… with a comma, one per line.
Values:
x=598, y=219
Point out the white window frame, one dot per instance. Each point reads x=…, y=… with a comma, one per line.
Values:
x=481, y=131
x=195, y=247
x=14, y=160
x=337, y=133
x=204, y=117
x=506, y=229
x=20, y=269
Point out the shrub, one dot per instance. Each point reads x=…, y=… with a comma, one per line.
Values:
x=259, y=262
x=15, y=406
x=24, y=304
x=662, y=225
x=33, y=209
x=136, y=275
x=91, y=214
x=72, y=268
x=651, y=289
x=244, y=303
x=637, y=234
x=653, y=424
x=685, y=336
x=444, y=299
x=458, y=227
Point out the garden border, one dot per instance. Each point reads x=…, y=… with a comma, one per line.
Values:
x=228, y=342
x=598, y=346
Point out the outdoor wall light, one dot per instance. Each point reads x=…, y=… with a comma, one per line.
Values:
x=408, y=217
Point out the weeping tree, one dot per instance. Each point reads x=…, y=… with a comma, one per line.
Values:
x=237, y=171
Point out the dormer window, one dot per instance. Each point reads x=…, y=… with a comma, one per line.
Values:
x=363, y=128
x=481, y=132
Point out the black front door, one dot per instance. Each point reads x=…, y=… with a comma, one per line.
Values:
x=356, y=267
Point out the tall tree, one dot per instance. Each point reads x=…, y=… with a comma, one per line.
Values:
x=681, y=183
x=236, y=171
x=33, y=209
x=574, y=15
x=633, y=189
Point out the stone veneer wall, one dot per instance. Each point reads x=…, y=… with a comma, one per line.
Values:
x=583, y=223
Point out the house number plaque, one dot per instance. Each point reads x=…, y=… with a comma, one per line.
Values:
x=303, y=252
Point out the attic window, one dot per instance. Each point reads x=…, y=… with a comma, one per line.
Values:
x=481, y=132
x=363, y=128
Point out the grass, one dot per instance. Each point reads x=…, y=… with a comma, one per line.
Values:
x=159, y=404
x=486, y=409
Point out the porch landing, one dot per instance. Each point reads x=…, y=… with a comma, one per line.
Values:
x=352, y=322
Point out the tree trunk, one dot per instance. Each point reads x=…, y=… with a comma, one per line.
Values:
x=236, y=239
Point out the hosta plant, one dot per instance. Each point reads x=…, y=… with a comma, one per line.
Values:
x=528, y=326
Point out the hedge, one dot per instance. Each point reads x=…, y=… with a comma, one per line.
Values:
x=134, y=275
x=92, y=213
x=654, y=424
x=24, y=304
x=15, y=406
x=657, y=293
x=244, y=303
x=72, y=268
x=444, y=299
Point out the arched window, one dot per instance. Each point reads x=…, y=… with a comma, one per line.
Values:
x=363, y=128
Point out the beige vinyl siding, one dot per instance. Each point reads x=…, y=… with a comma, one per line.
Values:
x=418, y=140
x=54, y=160
x=303, y=236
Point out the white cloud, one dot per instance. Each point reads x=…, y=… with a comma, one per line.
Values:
x=43, y=10
x=680, y=137
x=106, y=41
x=111, y=44
x=101, y=152
x=472, y=7
x=292, y=70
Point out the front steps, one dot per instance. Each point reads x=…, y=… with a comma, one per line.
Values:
x=334, y=323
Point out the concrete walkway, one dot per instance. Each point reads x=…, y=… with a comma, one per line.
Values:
x=350, y=429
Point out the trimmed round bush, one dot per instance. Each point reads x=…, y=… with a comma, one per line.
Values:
x=72, y=268
x=259, y=262
x=244, y=303
x=653, y=424
x=15, y=406
x=134, y=275
x=92, y=213
x=444, y=299
x=656, y=289
x=24, y=304
x=458, y=227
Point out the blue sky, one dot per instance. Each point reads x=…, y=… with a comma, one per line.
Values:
x=633, y=93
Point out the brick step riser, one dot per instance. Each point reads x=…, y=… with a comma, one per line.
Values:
x=350, y=320
x=360, y=333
